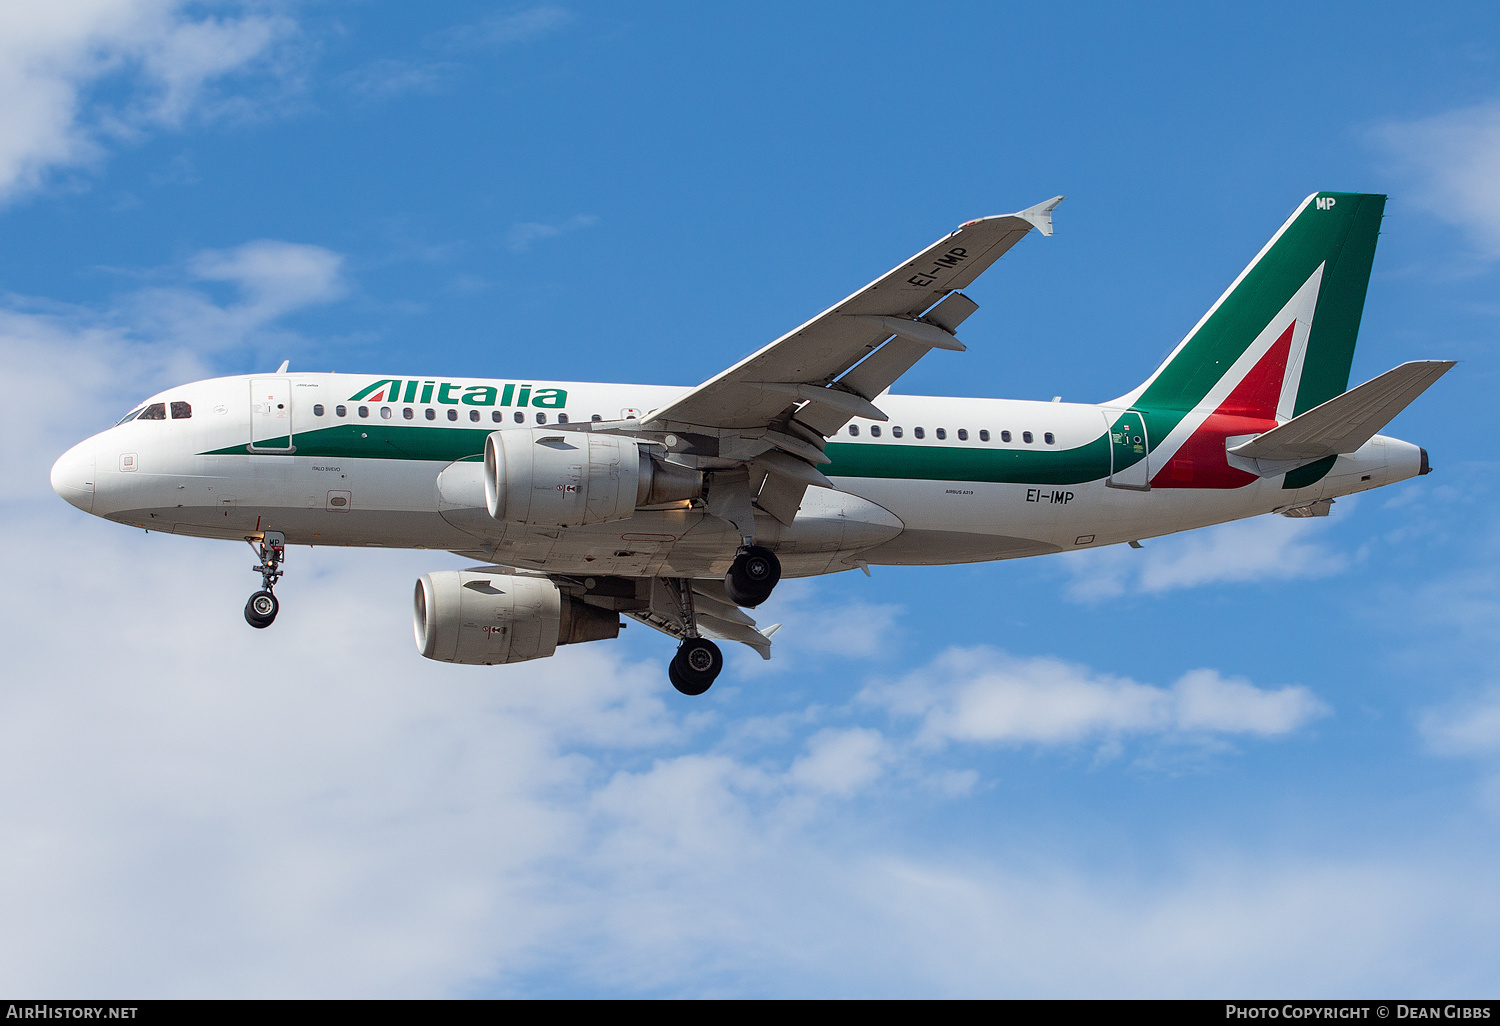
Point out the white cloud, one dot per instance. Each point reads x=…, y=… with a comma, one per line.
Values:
x=1468, y=728
x=841, y=762
x=1267, y=548
x=384, y=79
x=814, y=624
x=984, y=695
x=522, y=236
x=58, y=61
x=75, y=369
x=500, y=30
x=1455, y=159
x=276, y=277
x=271, y=278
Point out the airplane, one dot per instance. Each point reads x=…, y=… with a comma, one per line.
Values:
x=681, y=508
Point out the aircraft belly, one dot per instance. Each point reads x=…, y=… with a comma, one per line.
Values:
x=968, y=521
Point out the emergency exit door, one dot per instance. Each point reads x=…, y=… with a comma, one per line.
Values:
x=1129, y=456
x=271, y=413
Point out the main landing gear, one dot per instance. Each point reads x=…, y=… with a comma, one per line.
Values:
x=752, y=576
x=261, y=610
x=750, y=580
x=698, y=661
x=695, y=666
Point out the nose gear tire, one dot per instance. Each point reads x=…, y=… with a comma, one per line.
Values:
x=695, y=666
x=752, y=576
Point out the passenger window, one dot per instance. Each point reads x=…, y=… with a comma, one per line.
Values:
x=874, y=430
x=430, y=413
x=963, y=434
x=1026, y=437
x=984, y=434
x=854, y=429
x=562, y=418
x=495, y=416
x=1049, y=438
x=896, y=432
x=918, y=432
x=342, y=411
x=385, y=413
x=1005, y=436
x=364, y=411
x=942, y=433
x=452, y=414
x=541, y=418
x=156, y=411
x=520, y=417
x=318, y=410
x=407, y=413
x=474, y=415
x=130, y=416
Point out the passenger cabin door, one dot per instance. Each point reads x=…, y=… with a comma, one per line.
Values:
x=271, y=414
x=1129, y=460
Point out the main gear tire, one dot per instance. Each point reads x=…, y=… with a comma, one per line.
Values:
x=752, y=576
x=261, y=610
x=695, y=666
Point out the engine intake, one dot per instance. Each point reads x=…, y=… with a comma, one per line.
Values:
x=548, y=478
x=483, y=618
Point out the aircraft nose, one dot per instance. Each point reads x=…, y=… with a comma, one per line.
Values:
x=73, y=476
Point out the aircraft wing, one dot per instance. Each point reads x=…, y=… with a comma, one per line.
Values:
x=850, y=353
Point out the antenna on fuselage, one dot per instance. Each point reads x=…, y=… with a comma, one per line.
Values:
x=284, y=365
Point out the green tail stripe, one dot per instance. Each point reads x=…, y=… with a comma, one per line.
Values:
x=1340, y=235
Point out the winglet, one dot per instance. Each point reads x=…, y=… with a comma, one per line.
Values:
x=1041, y=214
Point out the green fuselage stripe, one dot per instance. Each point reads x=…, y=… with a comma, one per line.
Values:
x=1033, y=465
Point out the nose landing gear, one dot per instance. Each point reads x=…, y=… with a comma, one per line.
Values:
x=262, y=608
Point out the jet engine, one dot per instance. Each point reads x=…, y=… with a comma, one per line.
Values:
x=484, y=617
x=549, y=478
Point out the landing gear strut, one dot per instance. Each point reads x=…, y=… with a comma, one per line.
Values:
x=261, y=610
x=752, y=576
x=698, y=661
x=695, y=666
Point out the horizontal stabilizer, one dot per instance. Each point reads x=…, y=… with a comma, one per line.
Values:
x=1343, y=423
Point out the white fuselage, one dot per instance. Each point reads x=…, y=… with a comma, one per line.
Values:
x=369, y=477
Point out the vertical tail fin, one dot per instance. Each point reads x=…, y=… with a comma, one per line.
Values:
x=1279, y=342
x=1297, y=307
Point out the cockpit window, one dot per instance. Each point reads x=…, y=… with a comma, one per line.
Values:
x=130, y=416
x=156, y=411
x=181, y=411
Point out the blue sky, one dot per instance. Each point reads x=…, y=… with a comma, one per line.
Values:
x=992, y=780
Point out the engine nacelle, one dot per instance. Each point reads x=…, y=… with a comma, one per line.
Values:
x=550, y=478
x=483, y=618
